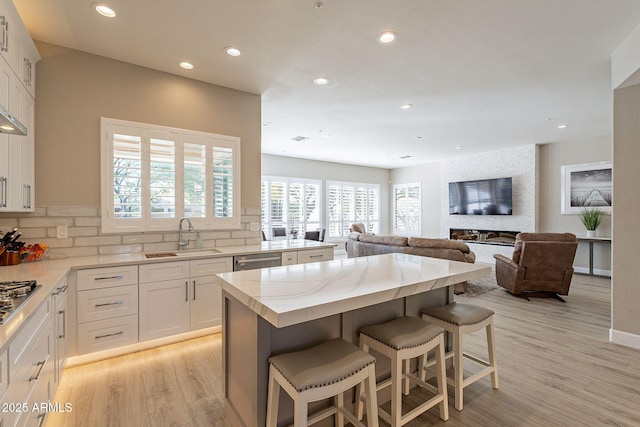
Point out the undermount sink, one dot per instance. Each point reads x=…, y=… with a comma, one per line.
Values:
x=194, y=252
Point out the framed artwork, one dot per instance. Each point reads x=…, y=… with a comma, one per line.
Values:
x=587, y=185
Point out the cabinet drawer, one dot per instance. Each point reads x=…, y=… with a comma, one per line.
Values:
x=20, y=345
x=289, y=258
x=35, y=366
x=315, y=255
x=150, y=273
x=96, y=278
x=106, y=334
x=208, y=267
x=107, y=303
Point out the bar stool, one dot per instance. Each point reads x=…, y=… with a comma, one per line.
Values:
x=460, y=319
x=320, y=372
x=401, y=340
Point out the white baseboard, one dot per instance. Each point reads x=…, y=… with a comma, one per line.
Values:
x=624, y=338
x=596, y=271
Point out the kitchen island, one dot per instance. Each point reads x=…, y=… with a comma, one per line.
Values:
x=281, y=309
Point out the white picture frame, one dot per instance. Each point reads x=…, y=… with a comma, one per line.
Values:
x=587, y=185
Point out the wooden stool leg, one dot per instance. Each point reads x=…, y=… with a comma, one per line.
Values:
x=358, y=410
x=492, y=354
x=405, y=380
x=442, y=379
x=272, y=400
x=372, y=397
x=396, y=391
x=339, y=416
x=458, y=370
x=299, y=412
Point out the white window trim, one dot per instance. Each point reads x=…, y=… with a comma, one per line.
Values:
x=288, y=181
x=412, y=233
x=368, y=186
x=109, y=224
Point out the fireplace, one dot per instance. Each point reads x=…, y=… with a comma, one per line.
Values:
x=487, y=237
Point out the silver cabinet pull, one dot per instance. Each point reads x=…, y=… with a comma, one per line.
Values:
x=26, y=196
x=3, y=188
x=316, y=256
x=194, y=290
x=186, y=291
x=109, y=335
x=4, y=23
x=120, y=276
x=41, y=364
x=104, y=304
x=64, y=324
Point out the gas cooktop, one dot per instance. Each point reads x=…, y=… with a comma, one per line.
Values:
x=13, y=295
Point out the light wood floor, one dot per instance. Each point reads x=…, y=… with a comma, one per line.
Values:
x=556, y=368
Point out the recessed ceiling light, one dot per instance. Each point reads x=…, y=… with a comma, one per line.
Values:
x=321, y=81
x=233, y=51
x=459, y=147
x=387, y=37
x=563, y=125
x=406, y=106
x=186, y=65
x=105, y=10
x=266, y=123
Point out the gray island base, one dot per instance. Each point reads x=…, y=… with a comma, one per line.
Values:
x=282, y=309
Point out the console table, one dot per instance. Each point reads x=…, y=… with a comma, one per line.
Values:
x=281, y=309
x=591, y=241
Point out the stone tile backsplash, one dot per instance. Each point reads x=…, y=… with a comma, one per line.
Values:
x=85, y=239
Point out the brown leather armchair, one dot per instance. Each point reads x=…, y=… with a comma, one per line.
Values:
x=542, y=265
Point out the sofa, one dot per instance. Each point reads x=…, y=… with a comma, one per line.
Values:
x=365, y=244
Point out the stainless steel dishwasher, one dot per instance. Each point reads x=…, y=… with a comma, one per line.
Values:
x=253, y=261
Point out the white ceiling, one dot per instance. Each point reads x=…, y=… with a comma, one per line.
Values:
x=482, y=74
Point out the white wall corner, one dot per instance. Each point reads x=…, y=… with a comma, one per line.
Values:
x=624, y=338
x=625, y=61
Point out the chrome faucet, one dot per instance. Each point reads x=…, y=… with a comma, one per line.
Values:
x=181, y=242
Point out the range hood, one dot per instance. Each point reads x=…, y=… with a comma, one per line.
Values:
x=9, y=124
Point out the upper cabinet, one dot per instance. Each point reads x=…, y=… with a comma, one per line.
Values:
x=17, y=94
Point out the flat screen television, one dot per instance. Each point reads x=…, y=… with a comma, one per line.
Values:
x=481, y=197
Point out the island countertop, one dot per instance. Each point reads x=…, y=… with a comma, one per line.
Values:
x=295, y=294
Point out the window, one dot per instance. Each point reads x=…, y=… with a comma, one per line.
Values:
x=153, y=175
x=292, y=203
x=350, y=202
x=407, y=209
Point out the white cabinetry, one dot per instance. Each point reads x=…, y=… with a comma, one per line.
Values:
x=289, y=258
x=60, y=328
x=164, y=304
x=315, y=255
x=31, y=368
x=107, y=308
x=190, y=300
x=206, y=296
x=17, y=92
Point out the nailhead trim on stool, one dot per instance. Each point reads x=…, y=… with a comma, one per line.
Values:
x=320, y=372
x=401, y=340
x=460, y=319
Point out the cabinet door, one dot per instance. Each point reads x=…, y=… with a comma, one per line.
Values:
x=206, y=302
x=151, y=273
x=289, y=258
x=5, y=79
x=164, y=308
x=27, y=158
x=60, y=327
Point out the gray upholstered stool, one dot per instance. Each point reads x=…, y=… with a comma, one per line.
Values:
x=320, y=372
x=460, y=319
x=401, y=340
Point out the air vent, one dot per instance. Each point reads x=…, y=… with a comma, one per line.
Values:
x=300, y=138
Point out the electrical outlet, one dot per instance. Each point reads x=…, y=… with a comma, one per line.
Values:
x=62, y=232
x=255, y=226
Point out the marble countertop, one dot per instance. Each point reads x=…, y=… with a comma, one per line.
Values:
x=294, y=294
x=49, y=272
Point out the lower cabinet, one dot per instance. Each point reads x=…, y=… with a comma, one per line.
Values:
x=164, y=308
x=206, y=297
x=31, y=367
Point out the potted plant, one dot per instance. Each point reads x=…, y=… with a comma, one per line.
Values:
x=592, y=218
